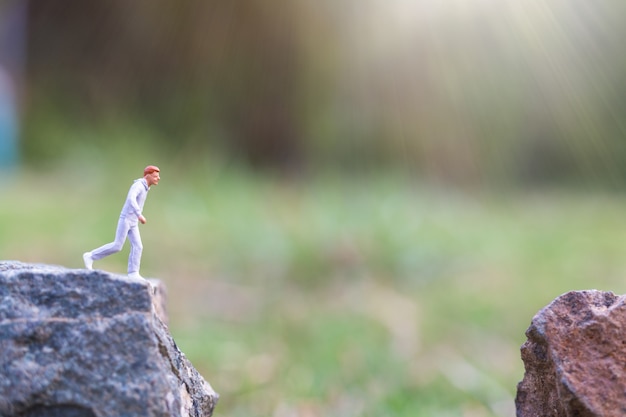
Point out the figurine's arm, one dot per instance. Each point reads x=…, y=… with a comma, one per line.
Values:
x=133, y=193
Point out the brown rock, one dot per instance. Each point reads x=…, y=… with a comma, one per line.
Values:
x=575, y=358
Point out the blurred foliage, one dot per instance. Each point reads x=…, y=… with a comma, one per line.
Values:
x=486, y=91
x=374, y=296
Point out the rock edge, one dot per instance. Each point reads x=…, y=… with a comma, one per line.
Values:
x=88, y=343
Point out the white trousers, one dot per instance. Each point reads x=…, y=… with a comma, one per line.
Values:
x=125, y=228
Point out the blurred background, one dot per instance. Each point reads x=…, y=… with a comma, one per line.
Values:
x=363, y=203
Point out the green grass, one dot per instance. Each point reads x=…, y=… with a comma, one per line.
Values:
x=330, y=296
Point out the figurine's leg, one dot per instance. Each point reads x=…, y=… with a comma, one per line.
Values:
x=110, y=248
x=136, y=247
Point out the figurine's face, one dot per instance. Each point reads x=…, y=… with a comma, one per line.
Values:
x=153, y=178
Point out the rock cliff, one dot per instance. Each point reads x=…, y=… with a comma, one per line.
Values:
x=87, y=343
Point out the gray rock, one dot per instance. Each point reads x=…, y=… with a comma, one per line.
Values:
x=575, y=358
x=80, y=343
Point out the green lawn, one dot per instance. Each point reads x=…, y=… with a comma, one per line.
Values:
x=335, y=297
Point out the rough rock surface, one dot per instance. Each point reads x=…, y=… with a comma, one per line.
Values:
x=80, y=343
x=575, y=358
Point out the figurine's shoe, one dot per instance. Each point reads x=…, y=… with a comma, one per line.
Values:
x=88, y=261
x=135, y=275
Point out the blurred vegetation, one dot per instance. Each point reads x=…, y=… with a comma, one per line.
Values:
x=477, y=92
x=334, y=296
x=363, y=203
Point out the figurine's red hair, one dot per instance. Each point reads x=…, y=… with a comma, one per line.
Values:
x=150, y=169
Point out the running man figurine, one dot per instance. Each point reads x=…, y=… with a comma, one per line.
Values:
x=127, y=225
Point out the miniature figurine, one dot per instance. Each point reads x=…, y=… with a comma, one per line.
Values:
x=127, y=225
